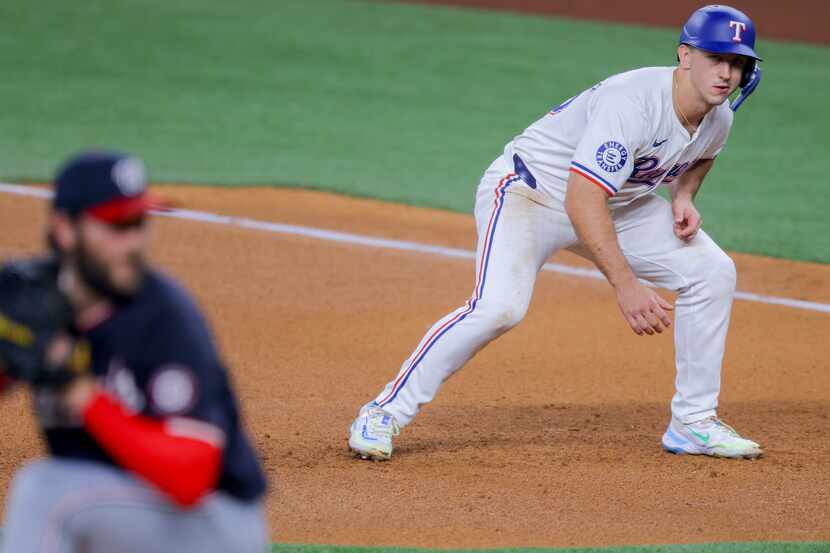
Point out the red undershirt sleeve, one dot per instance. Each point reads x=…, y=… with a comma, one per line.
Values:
x=181, y=456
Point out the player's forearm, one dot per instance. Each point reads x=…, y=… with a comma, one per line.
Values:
x=587, y=208
x=686, y=189
x=181, y=459
x=689, y=183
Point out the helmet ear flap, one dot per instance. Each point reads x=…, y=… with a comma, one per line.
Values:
x=747, y=74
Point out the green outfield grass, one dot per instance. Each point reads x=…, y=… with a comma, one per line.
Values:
x=399, y=102
x=761, y=547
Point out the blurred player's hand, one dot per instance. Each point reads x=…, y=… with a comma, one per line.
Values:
x=78, y=393
x=643, y=308
x=687, y=220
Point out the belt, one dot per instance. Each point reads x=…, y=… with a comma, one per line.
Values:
x=523, y=172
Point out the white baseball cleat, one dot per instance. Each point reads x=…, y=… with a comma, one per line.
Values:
x=711, y=436
x=370, y=435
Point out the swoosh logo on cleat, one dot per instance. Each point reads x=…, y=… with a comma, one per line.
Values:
x=702, y=437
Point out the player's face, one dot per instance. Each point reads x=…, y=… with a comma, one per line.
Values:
x=715, y=76
x=111, y=258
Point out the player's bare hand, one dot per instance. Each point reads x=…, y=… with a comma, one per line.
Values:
x=687, y=220
x=643, y=308
x=79, y=393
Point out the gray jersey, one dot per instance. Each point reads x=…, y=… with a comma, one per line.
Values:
x=622, y=134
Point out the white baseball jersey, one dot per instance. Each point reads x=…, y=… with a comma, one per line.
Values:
x=622, y=134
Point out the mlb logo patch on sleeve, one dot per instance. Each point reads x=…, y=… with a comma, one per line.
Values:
x=173, y=390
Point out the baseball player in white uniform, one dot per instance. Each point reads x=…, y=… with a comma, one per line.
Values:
x=583, y=178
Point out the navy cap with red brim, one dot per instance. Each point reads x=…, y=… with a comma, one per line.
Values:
x=110, y=186
x=127, y=209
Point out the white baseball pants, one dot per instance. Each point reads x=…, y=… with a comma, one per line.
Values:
x=517, y=235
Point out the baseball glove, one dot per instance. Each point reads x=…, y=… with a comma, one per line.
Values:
x=36, y=345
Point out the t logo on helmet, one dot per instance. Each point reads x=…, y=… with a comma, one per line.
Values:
x=739, y=28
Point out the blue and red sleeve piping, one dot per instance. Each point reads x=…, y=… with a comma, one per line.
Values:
x=587, y=173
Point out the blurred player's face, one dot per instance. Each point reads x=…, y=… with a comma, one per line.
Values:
x=111, y=258
x=715, y=76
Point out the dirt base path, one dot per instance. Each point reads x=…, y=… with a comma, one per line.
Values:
x=550, y=437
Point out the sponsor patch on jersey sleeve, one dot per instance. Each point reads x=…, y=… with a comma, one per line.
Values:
x=602, y=164
x=611, y=156
x=173, y=390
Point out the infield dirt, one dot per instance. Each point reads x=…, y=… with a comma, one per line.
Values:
x=549, y=437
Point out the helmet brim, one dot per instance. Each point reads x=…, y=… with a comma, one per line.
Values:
x=725, y=48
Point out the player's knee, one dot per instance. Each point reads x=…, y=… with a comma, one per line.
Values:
x=721, y=275
x=501, y=317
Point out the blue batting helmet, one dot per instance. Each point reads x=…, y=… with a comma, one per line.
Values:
x=723, y=30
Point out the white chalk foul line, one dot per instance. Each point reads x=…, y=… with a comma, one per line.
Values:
x=388, y=244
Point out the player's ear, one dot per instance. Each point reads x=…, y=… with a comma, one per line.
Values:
x=61, y=232
x=684, y=56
